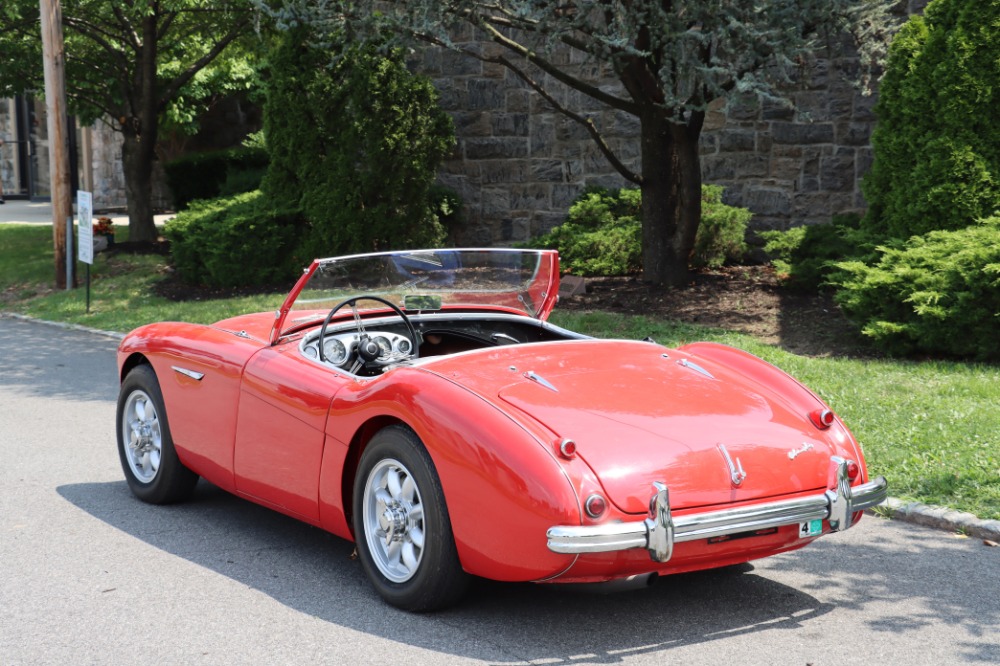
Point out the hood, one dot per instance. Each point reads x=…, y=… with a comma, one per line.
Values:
x=257, y=325
x=641, y=413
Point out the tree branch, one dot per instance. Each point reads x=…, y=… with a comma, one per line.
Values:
x=178, y=82
x=613, y=101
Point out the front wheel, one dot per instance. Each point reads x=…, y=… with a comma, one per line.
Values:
x=153, y=471
x=401, y=525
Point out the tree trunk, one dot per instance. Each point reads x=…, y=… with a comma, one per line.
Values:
x=138, y=165
x=141, y=131
x=671, y=197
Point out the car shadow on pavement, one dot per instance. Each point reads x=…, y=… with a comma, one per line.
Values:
x=313, y=572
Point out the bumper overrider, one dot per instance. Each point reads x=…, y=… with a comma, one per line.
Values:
x=660, y=531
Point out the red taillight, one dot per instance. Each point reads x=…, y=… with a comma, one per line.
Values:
x=821, y=418
x=595, y=506
x=567, y=448
x=853, y=470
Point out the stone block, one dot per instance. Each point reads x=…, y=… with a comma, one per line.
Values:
x=531, y=197
x=486, y=94
x=495, y=147
x=737, y=166
x=548, y=170
x=742, y=107
x=472, y=123
x=518, y=101
x=802, y=133
x=772, y=110
x=864, y=107
x=786, y=169
x=853, y=134
x=505, y=171
x=837, y=174
x=514, y=229
x=768, y=202
x=563, y=195
x=455, y=64
x=510, y=124
x=543, y=222
x=731, y=141
x=494, y=201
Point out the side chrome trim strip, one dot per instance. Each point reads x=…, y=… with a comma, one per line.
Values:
x=661, y=530
x=197, y=376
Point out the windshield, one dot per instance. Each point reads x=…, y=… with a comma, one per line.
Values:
x=519, y=281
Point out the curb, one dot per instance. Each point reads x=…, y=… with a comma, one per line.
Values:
x=67, y=327
x=938, y=517
x=941, y=518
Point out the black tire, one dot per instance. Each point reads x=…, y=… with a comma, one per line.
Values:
x=414, y=518
x=152, y=469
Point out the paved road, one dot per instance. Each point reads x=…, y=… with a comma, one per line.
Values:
x=90, y=575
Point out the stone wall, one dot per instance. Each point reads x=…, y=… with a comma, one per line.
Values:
x=519, y=163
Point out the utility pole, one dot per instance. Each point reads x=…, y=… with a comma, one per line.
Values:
x=54, y=56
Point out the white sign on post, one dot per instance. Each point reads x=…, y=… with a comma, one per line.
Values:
x=85, y=230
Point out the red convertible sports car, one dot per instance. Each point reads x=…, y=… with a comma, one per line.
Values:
x=419, y=404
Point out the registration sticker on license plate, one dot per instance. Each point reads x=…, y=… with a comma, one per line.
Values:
x=812, y=528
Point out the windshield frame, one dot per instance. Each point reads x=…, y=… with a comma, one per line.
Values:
x=515, y=281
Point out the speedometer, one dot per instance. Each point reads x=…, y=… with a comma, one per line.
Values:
x=334, y=351
x=384, y=346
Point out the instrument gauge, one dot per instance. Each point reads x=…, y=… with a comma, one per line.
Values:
x=404, y=346
x=384, y=346
x=335, y=351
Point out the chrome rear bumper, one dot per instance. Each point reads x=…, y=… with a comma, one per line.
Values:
x=660, y=531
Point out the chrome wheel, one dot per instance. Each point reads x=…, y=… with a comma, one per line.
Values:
x=393, y=519
x=141, y=433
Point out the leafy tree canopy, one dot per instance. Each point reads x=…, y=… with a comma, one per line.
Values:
x=139, y=63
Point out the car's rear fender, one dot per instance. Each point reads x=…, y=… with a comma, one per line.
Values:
x=781, y=387
x=503, y=487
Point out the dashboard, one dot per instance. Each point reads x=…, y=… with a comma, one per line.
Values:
x=341, y=349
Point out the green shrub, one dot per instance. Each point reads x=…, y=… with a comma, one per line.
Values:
x=211, y=174
x=602, y=234
x=722, y=232
x=806, y=257
x=355, y=144
x=240, y=241
x=936, y=145
x=939, y=293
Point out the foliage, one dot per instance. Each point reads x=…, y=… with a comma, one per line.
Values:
x=355, y=145
x=937, y=148
x=241, y=241
x=806, y=257
x=211, y=174
x=672, y=59
x=722, y=233
x=137, y=66
x=939, y=293
x=602, y=234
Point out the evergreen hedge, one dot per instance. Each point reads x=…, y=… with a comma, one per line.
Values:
x=937, y=142
x=939, y=294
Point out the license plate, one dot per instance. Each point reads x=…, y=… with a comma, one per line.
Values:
x=811, y=528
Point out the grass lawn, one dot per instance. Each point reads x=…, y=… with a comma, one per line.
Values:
x=931, y=427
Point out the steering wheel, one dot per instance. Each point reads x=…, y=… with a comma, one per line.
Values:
x=368, y=350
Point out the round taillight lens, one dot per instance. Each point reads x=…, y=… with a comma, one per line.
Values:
x=853, y=470
x=821, y=418
x=595, y=506
x=567, y=448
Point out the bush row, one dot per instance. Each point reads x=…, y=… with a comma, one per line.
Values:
x=602, y=234
x=216, y=173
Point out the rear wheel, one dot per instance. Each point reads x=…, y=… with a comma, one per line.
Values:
x=401, y=525
x=152, y=469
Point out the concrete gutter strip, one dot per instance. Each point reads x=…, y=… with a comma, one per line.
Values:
x=938, y=517
x=59, y=324
x=942, y=518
